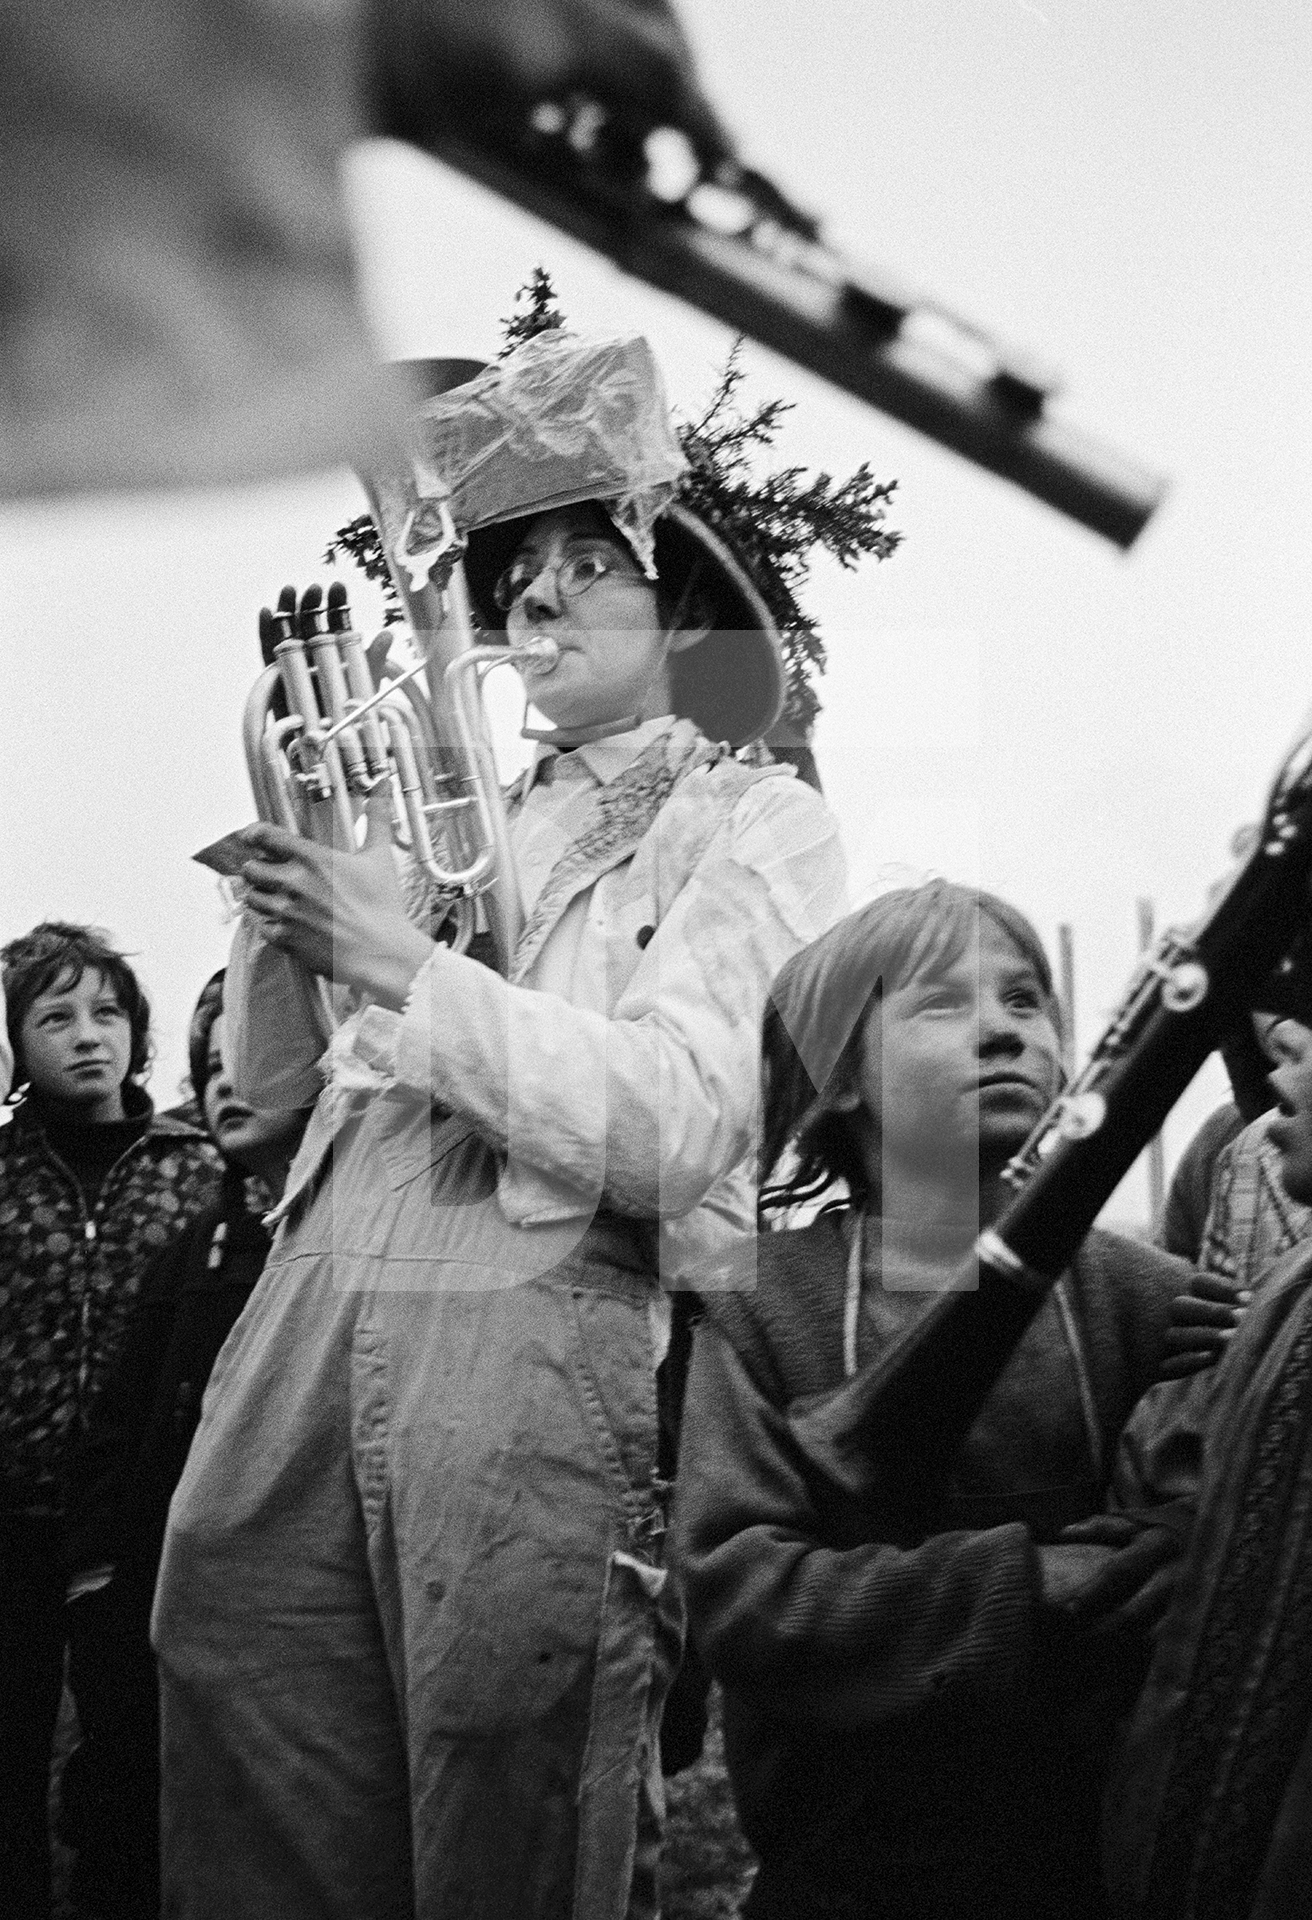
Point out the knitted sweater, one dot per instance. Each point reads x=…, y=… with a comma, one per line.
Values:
x=904, y=1736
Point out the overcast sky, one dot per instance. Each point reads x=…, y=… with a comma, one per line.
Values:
x=1119, y=185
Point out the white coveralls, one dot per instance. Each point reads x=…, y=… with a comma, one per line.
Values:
x=411, y=1623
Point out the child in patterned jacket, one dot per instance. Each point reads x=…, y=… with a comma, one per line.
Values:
x=92, y=1185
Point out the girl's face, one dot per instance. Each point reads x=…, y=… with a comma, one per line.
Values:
x=1288, y=1043
x=77, y=1046
x=961, y=1062
x=612, y=648
x=253, y=1138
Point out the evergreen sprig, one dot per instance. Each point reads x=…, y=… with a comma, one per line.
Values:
x=536, y=311
x=359, y=541
x=776, y=524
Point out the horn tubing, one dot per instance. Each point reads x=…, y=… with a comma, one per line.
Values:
x=442, y=623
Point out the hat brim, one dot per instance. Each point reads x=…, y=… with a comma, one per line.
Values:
x=731, y=684
x=427, y=379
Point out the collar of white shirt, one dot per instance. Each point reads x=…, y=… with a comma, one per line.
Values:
x=604, y=759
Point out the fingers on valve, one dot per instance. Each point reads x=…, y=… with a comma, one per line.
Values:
x=307, y=612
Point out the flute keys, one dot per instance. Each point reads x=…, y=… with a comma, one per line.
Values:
x=1080, y=1115
x=1185, y=987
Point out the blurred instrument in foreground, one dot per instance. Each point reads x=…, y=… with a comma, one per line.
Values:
x=724, y=238
x=916, y=1403
x=234, y=348
x=179, y=303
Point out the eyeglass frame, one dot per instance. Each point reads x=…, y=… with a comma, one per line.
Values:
x=559, y=569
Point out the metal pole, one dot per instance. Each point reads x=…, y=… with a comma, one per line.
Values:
x=1066, y=990
x=1156, y=1149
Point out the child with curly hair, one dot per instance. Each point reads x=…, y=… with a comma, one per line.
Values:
x=92, y=1184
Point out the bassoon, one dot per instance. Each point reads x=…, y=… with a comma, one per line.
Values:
x=910, y=1408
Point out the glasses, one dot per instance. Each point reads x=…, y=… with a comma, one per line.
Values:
x=573, y=577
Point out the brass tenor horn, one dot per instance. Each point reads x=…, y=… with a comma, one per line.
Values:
x=326, y=728
x=323, y=736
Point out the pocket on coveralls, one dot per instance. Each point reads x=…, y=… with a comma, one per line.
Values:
x=617, y=1382
x=543, y=1485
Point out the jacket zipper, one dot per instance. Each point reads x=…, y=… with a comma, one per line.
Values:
x=90, y=1235
x=84, y=1319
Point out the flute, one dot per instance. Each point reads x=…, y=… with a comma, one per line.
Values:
x=732, y=244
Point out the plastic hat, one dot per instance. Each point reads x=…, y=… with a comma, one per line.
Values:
x=561, y=421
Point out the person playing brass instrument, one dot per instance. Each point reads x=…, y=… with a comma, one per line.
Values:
x=413, y=1623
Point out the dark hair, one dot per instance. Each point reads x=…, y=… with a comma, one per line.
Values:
x=732, y=689
x=816, y=1014
x=206, y=1012
x=679, y=600
x=56, y=954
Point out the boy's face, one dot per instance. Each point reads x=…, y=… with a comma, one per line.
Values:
x=964, y=1061
x=612, y=648
x=77, y=1045
x=1288, y=1043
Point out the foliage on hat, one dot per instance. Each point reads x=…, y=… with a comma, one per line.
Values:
x=535, y=312
x=775, y=523
x=358, y=540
